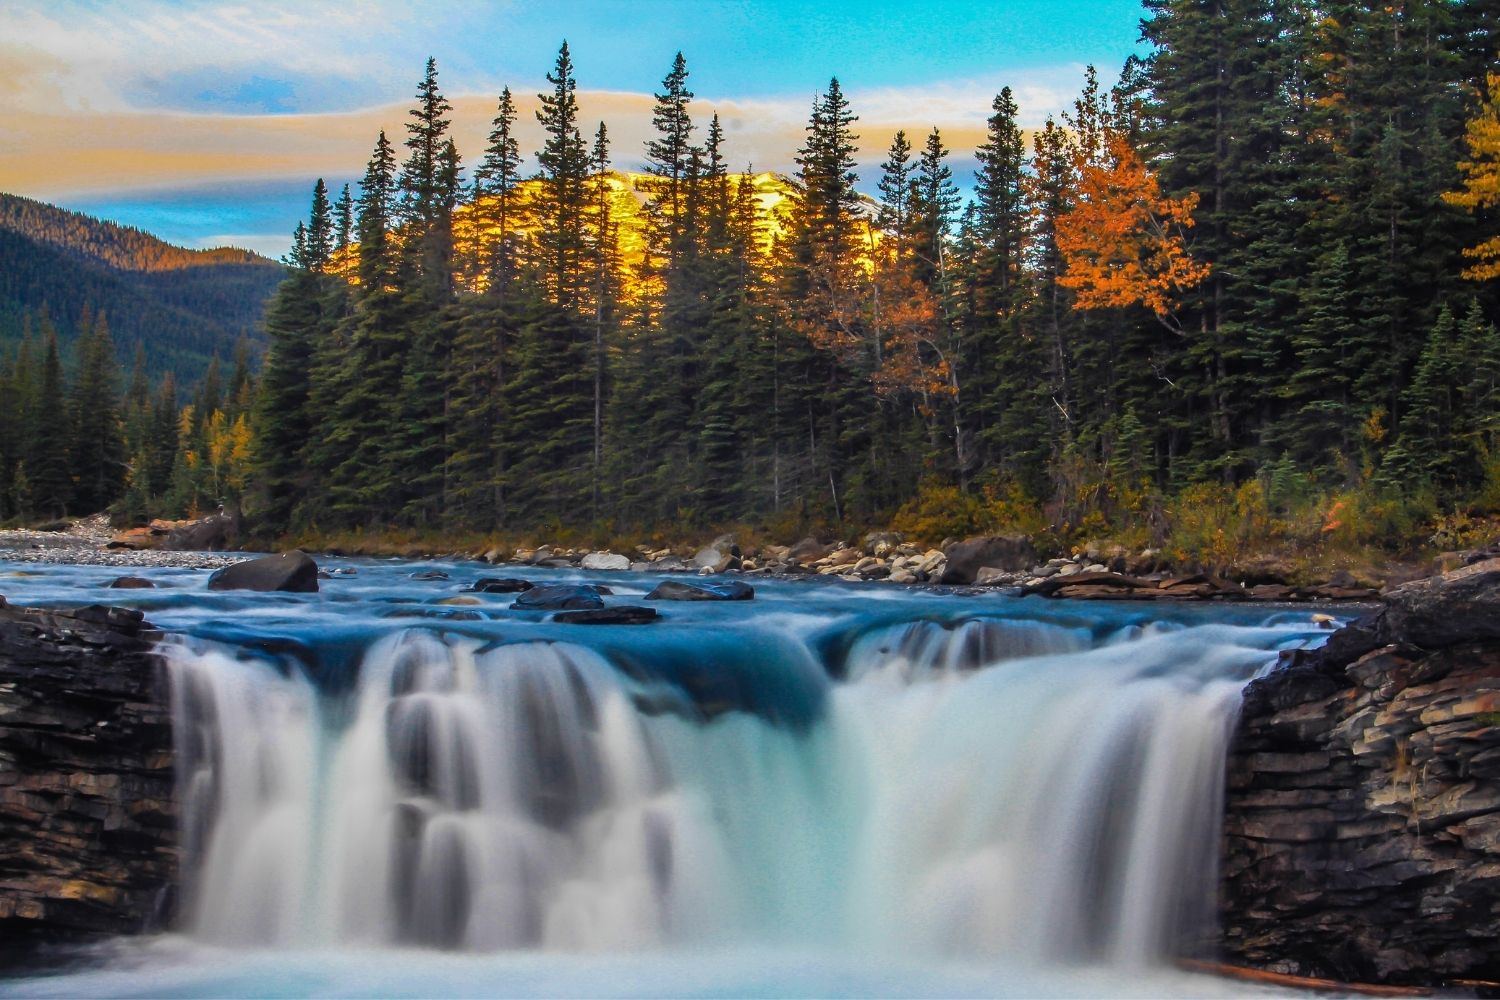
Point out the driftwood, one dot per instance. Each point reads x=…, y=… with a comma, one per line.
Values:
x=1247, y=974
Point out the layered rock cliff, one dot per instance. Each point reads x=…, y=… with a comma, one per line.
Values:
x=1362, y=814
x=87, y=814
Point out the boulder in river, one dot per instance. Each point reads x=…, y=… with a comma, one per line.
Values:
x=559, y=598
x=131, y=583
x=429, y=575
x=1011, y=553
x=292, y=571
x=676, y=590
x=605, y=561
x=622, y=615
x=500, y=585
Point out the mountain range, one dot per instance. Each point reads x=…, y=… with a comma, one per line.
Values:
x=181, y=306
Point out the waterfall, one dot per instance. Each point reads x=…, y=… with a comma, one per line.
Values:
x=980, y=787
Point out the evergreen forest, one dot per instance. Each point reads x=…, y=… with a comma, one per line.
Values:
x=1245, y=288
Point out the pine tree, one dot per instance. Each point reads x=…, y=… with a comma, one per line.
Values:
x=343, y=215
x=562, y=196
x=319, y=243
x=667, y=157
x=495, y=199
x=98, y=447
x=934, y=202
x=51, y=487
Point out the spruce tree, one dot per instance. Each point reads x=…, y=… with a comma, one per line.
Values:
x=98, y=452
x=51, y=436
x=562, y=195
x=495, y=199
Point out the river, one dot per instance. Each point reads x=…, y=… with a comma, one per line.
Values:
x=832, y=789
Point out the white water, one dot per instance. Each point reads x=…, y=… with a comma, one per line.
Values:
x=998, y=789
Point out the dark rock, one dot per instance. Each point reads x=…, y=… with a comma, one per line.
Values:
x=292, y=571
x=88, y=818
x=1053, y=585
x=499, y=585
x=1362, y=811
x=429, y=575
x=131, y=583
x=1011, y=553
x=623, y=615
x=214, y=533
x=677, y=590
x=559, y=598
x=1461, y=606
x=557, y=562
x=809, y=550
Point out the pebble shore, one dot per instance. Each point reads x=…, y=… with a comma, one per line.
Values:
x=83, y=544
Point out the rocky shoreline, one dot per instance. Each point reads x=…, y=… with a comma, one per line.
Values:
x=1362, y=812
x=1007, y=563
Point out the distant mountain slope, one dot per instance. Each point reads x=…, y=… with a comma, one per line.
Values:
x=182, y=305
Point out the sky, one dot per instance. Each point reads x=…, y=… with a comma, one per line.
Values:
x=207, y=122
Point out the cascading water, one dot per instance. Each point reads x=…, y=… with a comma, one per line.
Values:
x=986, y=787
x=828, y=790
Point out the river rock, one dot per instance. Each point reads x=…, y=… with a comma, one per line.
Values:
x=809, y=551
x=131, y=583
x=621, y=615
x=605, y=561
x=429, y=575
x=719, y=555
x=291, y=571
x=1012, y=553
x=559, y=598
x=214, y=533
x=676, y=590
x=499, y=585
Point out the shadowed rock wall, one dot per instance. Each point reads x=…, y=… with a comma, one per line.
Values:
x=87, y=813
x=1362, y=826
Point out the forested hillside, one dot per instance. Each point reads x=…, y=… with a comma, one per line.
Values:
x=181, y=306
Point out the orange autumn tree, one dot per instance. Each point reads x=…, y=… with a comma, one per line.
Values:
x=1124, y=243
x=1482, y=180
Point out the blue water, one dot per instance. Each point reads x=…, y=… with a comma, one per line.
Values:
x=834, y=789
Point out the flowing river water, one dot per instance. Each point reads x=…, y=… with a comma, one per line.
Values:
x=829, y=790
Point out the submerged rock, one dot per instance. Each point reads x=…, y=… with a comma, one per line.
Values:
x=429, y=575
x=559, y=598
x=676, y=590
x=500, y=585
x=623, y=615
x=131, y=583
x=292, y=571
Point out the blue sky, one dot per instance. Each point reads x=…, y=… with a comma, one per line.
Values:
x=206, y=122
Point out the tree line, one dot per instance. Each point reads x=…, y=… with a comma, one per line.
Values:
x=81, y=442
x=1244, y=262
